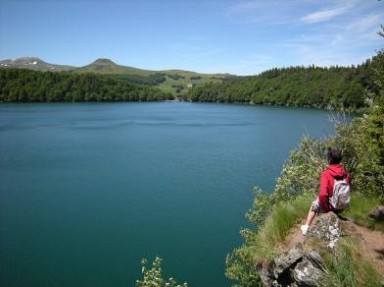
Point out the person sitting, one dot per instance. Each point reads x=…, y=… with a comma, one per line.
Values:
x=322, y=203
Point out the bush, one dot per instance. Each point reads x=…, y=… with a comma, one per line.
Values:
x=154, y=278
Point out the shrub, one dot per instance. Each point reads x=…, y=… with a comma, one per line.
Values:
x=154, y=278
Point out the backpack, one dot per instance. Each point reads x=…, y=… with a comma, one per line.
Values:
x=341, y=194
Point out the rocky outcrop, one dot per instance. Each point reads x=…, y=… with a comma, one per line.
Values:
x=377, y=213
x=302, y=265
x=329, y=229
x=294, y=268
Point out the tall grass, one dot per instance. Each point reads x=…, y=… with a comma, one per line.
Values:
x=360, y=207
x=284, y=216
x=345, y=268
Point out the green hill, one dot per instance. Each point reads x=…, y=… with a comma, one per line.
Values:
x=294, y=86
x=176, y=82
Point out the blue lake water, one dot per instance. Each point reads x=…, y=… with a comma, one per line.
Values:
x=88, y=190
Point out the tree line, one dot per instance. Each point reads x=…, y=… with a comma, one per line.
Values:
x=17, y=85
x=338, y=87
x=150, y=80
x=294, y=86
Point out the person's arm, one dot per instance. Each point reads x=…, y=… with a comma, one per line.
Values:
x=323, y=194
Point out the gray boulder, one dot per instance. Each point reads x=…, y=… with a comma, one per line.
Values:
x=293, y=268
x=329, y=229
x=309, y=271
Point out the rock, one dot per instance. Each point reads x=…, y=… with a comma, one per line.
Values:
x=287, y=260
x=328, y=228
x=300, y=266
x=309, y=271
x=293, y=268
x=377, y=213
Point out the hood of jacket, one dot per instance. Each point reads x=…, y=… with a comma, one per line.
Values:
x=336, y=170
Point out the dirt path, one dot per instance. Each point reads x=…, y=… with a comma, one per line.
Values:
x=371, y=243
x=372, y=246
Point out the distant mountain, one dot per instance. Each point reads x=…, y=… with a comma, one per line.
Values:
x=32, y=63
x=106, y=66
x=177, y=82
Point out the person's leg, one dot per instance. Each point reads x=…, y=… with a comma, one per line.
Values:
x=314, y=209
x=310, y=217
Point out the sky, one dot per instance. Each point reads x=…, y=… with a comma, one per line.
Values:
x=241, y=37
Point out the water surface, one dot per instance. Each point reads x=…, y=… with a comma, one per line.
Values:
x=88, y=190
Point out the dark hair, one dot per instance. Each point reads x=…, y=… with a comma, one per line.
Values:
x=334, y=156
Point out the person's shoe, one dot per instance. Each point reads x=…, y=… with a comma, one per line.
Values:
x=304, y=229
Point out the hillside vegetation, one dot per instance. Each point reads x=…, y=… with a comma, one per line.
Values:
x=176, y=82
x=295, y=86
x=338, y=87
x=275, y=214
x=18, y=85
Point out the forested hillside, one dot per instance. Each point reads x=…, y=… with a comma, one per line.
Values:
x=295, y=86
x=17, y=85
x=175, y=82
x=274, y=215
x=338, y=87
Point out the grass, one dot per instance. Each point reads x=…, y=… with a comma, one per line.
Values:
x=360, y=207
x=278, y=225
x=176, y=81
x=345, y=268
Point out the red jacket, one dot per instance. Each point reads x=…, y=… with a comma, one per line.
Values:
x=326, y=184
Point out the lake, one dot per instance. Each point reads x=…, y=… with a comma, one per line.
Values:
x=88, y=190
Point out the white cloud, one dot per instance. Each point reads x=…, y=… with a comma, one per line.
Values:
x=366, y=24
x=329, y=9
x=324, y=15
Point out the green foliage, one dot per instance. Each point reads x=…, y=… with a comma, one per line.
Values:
x=301, y=172
x=276, y=227
x=30, y=86
x=275, y=213
x=154, y=277
x=260, y=246
x=283, y=217
x=345, y=268
x=300, y=175
x=295, y=86
x=361, y=205
x=165, y=80
x=150, y=80
x=241, y=267
x=362, y=143
x=363, y=140
x=176, y=76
